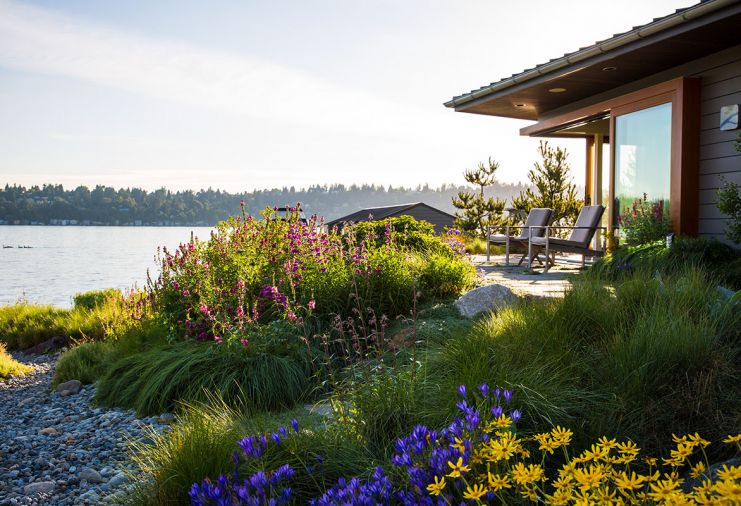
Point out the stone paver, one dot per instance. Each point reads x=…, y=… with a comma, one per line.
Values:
x=533, y=284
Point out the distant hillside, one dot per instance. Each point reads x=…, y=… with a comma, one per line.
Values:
x=53, y=205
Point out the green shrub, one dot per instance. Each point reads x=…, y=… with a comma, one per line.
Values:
x=154, y=381
x=9, y=366
x=644, y=222
x=25, y=325
x=84, y=362
x=721, y=261
x=95, y=299
x=443, y=276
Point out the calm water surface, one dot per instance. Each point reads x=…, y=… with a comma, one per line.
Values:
x=63, y=261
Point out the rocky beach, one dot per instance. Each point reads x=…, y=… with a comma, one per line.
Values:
x=57, y=448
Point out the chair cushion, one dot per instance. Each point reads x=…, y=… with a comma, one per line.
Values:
x=537, y=217
x=589, y=217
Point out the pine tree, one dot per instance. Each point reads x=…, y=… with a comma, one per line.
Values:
x=477, y=211
x=552, y=187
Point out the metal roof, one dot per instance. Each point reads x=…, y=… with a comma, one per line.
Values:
x=604, y=47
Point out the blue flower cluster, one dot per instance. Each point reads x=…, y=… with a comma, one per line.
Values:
x=421, y=458
x=260, y=489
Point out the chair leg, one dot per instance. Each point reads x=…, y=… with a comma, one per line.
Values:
x=506, y=247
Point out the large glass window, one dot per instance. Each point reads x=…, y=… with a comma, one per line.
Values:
x=643, y=158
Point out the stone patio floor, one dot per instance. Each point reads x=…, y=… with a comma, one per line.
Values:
x=534, y=284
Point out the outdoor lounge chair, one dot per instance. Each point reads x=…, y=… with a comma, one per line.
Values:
x=537, y=219
x=578, y=242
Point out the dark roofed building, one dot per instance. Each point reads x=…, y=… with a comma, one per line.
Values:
x=417, y=210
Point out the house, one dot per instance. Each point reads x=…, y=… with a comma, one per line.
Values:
x=657, y=107
x=418, y=211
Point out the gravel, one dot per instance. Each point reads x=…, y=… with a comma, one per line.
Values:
x=60, y=449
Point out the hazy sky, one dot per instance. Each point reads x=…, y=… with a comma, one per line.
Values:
x=253, y=94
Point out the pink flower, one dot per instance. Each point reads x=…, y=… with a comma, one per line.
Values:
x=311, y=305
x=291, y=316
x=217, y=339
x=245, y=342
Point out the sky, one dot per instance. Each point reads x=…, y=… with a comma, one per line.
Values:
x=244, y=95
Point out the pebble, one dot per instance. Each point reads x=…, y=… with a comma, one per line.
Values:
x=59, y=449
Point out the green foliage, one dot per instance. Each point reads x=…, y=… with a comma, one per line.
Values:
x=84, y=362
x=9, y=366
x=443, y=276
x=645, y=222
x=25, y=325
x=721, y=261
x=729, y=202
x=266, y=377
x=553, y=186
x=650, y=358
x=477, y=212
x=202, y=441
x=95, y=299
x=128, y=206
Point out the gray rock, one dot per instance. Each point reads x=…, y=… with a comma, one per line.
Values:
x=166, y=418
x=485, y=298
x=71, y=387
x=91, y=475
x=40, y=487
x=48, y=431
x=118, y=480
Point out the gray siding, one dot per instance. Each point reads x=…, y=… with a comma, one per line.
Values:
x=721, y=85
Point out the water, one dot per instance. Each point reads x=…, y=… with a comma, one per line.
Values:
x=63, y=261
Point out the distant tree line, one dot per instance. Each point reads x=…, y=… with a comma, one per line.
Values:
x=53, y=204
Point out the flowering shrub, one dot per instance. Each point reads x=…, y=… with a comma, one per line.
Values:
x=480, y=458
x=645, y=222
x=254, y=271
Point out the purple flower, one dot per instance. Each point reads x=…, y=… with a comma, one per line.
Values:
x=507, y=396
x=462, y=391
x=294, y=424
x=484, y=389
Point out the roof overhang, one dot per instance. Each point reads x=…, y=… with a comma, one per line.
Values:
x=686, y=35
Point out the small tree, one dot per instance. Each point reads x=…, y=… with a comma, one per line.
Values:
x=477, y=211
x=552, y=187
x=729, y=202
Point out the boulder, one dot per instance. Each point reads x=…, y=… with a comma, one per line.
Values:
x=91, y=475
x=485, y=298
x=40, y=487
x=166, y=419
x=70, y=387
x=53, y=344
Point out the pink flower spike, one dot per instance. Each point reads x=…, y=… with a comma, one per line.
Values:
x=245, y=342
x=217, y=339
x=312, y=304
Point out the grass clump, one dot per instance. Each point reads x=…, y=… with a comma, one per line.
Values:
x=10, y=366
x=154, y=381
x=205, y=437
x=84, y=362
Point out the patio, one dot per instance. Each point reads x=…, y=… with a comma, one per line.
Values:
x=531, y=284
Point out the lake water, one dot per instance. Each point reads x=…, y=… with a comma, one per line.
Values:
x=63, y=261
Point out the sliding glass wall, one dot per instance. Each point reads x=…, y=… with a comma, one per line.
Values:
x=642, y=147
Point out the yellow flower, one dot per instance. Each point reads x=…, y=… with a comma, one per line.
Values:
x=459, y=445
x=663, y=490
x=683, y=451
x=729, y=472
x=733, y=439
x=562, y=435
x=525, y=475
x=697, y=440
x=497, y=482
x=589, y=478
x=563, y=482
x=475, y=492
x=457, y=468
x=436, y=487
x=628, y=448
x=503, y=422
x=502, y=448
x=729, y=491
x=625, y=482
x=561, y=497
x=607, y=443
x=697, y=469
x=651, y=461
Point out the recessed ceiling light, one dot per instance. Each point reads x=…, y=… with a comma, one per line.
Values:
x=557, y=90
x=608, y=69
x=520, y=105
